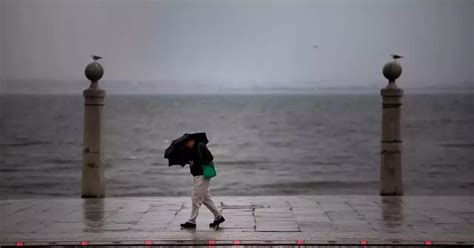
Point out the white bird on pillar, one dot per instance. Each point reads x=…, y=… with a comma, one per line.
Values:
x=395, y=57
x=95, y=57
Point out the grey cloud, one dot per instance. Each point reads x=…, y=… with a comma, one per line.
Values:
x=239, y=44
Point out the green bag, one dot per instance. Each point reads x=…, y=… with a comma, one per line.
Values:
x=208, y=169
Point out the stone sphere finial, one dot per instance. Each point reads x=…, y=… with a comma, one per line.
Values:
x=392, y=71
x=94, y=71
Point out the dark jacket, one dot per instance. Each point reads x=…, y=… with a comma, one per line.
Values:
x=193, y=154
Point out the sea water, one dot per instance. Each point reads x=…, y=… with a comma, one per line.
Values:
x=262, y=144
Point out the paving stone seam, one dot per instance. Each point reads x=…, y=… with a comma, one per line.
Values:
x=294, y=216
x=175, y=216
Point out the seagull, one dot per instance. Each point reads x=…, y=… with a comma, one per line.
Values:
x=95, y=57
x=395, y=57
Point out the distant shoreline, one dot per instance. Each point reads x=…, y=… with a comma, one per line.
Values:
x=113, y=87
x=407, y=91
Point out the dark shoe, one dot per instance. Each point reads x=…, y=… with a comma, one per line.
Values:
x=217, y=222
x=188, y=225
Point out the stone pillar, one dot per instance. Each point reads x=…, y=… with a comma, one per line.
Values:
x=391, y=164
x=93, y=181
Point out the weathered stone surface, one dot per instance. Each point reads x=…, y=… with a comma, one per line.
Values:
x=93, y=178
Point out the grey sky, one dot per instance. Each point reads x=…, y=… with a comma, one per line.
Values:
x=171, y=45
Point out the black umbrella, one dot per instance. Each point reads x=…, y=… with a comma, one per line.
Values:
x=176, y=152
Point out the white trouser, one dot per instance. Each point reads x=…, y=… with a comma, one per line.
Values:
x=200, y=196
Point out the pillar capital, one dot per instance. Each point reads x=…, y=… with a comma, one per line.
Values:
x=392, y=70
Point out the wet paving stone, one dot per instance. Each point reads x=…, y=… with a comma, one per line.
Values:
x=325, y=218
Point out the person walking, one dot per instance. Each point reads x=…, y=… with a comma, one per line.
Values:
x=198, y=155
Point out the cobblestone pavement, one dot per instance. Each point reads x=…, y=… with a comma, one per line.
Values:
x=308, y=219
